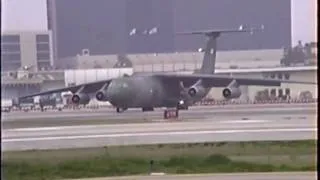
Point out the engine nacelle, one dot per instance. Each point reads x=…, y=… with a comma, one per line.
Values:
x=80, y=98
x=230, y=93
x=196, y=91
x=101, y=95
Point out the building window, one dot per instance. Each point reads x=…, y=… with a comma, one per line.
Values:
x=43, y=47
x=40, y=38
x=264, y=75
x=287, y=76
x=10, y=66
x=280, y=76
x=10, y=57
x=10, y=48
x=280, y=93
x=286, y=95
x=287, y=91
x=10, y=39
x=43, y=56
x=273, y=92
x=43, y=65
x=273, y=76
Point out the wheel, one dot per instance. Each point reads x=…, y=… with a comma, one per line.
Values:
x=120, y=110
x=165, y=114
x=147, y=109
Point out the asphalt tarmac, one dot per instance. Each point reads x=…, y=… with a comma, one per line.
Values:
x=196, y=113
x=224, y=176
x=96, y=128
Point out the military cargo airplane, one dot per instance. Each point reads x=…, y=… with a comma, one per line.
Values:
x=169, y=90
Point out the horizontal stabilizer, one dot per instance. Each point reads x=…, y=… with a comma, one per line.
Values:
x=216, y=32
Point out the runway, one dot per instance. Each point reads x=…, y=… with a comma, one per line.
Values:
x=79, y=129
x=196, y=113
x=153, y=133
x=223, y=176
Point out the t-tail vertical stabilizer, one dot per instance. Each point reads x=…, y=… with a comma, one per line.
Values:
x=209, y=58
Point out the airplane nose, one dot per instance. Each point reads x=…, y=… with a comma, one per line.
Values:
x=113, y=96
x=118, y=96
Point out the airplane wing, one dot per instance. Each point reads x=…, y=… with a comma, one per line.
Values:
x=87, y=88
x=221, y=81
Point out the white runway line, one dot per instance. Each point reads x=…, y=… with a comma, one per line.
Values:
x=157, y=134
x=36, y=129
x=56, y=128
x=243, y=121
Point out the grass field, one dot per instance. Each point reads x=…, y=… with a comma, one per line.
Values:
x=175, y=158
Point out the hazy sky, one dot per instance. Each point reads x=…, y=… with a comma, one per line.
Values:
x=304, y=20
x=23, y=15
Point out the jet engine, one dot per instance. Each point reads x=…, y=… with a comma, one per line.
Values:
x=80, y=98
x=198, y=91
x=231, y=92
x=101, y=95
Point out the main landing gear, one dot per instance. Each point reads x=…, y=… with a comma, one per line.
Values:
x=120, y=110
x=145, y=109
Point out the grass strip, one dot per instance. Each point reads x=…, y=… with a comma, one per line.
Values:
x=174, y=158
